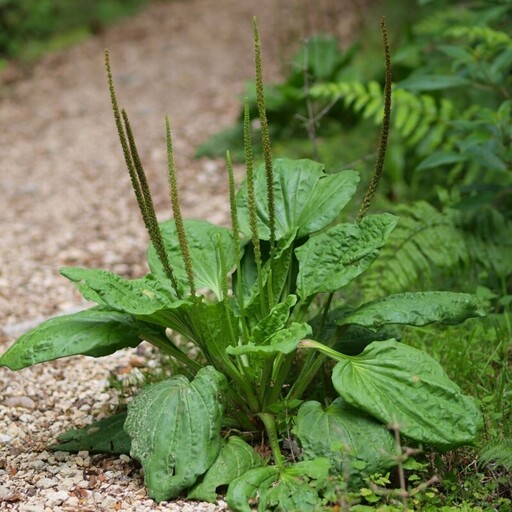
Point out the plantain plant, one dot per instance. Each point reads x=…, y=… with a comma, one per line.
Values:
x=265, y=304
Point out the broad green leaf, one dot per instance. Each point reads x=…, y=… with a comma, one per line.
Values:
x=175, y=430
x=291, y=489
x=273, y=322
x=353, y=339
x=203, y=240
x=281, y=266
x=316, y=469
x=245, y=487
x=420, y=308
x=235, y=458
x=284, y=341
x=104, y=436
x=355, y=443
x=306, y=199
x=94, y=332
x=334, y=258
x=400, y=385
x=134, y=296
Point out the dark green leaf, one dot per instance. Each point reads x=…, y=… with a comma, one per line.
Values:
x=440, y=158
x=354, y=443
x=245, y=487
x=284, y=341
x=334, y=258
x=273, y=322
x=203, y=240
x=235, y=458
x=400, y=385
x=103, y=436
x=175, y=430
x=279, y=489
x=420, y=308
x=281, y=266
x=306, y=199
x=134, y=296
x=94, y=332
x=349, y=339
x=293, y=490
x=433, y=82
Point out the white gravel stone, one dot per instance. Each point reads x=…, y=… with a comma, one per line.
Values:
x=24, y=402
x=45, y=483
x=56, y=498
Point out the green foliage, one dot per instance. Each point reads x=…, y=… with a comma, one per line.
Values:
x=452, y=109
x=235, y=459
x=175, y=430
x=104, y=436
x=252, y=301
x=498, y=451
x=288, y=104
x=420, y=119
x=27, y=27
x=355, y=443
x=96, y=332
x=428, y=244
x=386, y=370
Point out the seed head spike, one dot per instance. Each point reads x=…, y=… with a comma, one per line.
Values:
x=265, y=136
x=379, y=164
x=138, y=179
x=175, y=203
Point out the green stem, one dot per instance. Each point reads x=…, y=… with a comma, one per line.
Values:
x=328, y=351
x=238, y=251
x=264, y=384
x=326, y=308
x=313, y=363
x=270, y=427
x=282, y=368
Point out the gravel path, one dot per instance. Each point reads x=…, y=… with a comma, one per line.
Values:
x=67, y=200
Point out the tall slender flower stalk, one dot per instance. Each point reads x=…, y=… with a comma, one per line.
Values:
x=138, y=180
x=265, y=139
x=176, y=209
x=384, y=133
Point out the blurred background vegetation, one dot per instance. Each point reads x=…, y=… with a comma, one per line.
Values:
x=448, y=169
x=30, y=27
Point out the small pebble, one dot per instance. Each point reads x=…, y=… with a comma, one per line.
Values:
x=45, y=483
x=58, y=497
x=72, y=501
x=20, y=401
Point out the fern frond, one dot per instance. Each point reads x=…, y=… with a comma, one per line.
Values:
x=415, y=117
x=427, y=240
x=498, y=451
x=488, y=236
x=424, y=238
